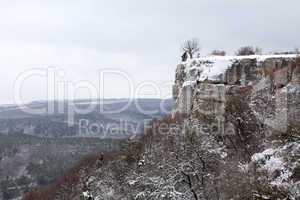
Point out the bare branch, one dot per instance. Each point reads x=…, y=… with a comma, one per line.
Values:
x=191, y=46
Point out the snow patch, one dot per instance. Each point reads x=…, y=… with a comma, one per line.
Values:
x=273, y=164
x=132, y=182
x=262, y=155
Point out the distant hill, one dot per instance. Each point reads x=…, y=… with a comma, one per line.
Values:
x=108, y=118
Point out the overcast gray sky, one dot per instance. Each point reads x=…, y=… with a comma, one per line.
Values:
x=142, y=38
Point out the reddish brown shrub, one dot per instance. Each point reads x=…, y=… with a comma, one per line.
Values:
x=70, y=180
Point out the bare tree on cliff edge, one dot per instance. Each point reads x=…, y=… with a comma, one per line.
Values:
x=190, y=48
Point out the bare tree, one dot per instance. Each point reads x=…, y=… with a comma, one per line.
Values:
x=191, y=47
x=218, y=53
x=245, y=51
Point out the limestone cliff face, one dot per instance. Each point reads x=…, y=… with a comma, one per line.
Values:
x=204, y=84
x=251, y=104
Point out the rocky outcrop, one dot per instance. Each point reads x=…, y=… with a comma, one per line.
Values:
x=276, y=76
x=250, y=103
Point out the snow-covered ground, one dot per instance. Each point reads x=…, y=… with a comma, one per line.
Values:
x=279, y=165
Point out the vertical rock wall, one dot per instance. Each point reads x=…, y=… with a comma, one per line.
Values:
x=273, y=83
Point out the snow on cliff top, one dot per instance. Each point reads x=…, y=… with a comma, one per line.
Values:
x=212, y=67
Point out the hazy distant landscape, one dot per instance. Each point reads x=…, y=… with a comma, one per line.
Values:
x=35, y=149
x=36, y=119
x=30, y=161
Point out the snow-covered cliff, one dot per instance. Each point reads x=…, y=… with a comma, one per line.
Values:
x=252, y=101
x=233, y=70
